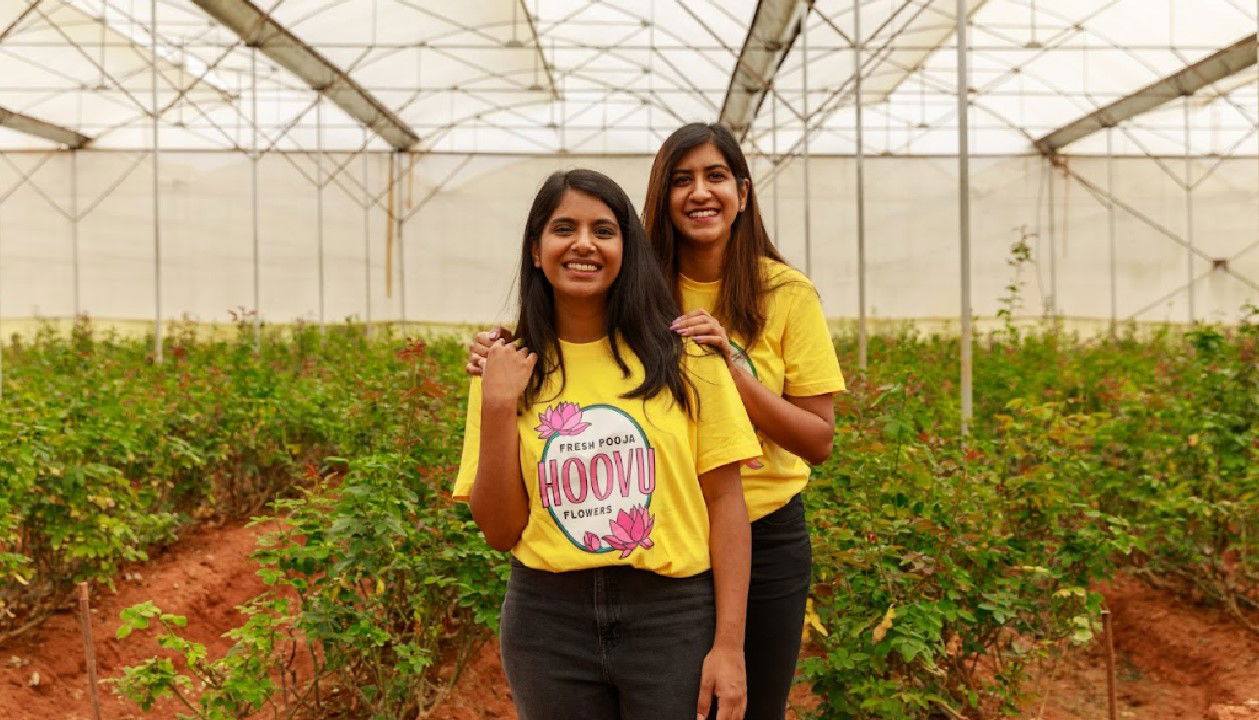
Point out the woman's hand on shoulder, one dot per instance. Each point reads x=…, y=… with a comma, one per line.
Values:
x=506, y=372
x=704, y=329
x=725, y=676
x=480, y=347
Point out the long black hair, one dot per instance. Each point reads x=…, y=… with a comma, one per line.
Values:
x=741, y=303
x=640, y=305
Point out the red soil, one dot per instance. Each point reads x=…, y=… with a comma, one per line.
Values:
x=203, y=577
x=1175, y=660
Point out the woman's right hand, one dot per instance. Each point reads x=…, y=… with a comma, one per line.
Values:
x=480, y=347
x=506, y=372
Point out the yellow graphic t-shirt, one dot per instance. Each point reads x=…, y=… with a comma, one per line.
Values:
x=613, y=481
x=794, y=355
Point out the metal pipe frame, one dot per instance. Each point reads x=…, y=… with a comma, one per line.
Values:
x=774, y=28
x=804, y=104
x=1229, y=61
x=259, y=31
x=963, y=214
x=157, y=216
x=858, y=104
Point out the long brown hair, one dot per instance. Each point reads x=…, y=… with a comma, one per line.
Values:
x=741, y=302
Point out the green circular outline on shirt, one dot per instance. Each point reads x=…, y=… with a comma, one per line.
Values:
x=551, y=510
x=746, y=358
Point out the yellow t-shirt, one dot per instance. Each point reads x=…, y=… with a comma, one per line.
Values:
x=613, y=481
x=794, y=355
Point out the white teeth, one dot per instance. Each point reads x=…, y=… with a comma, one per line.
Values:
x=581, y=267
x=702, y=213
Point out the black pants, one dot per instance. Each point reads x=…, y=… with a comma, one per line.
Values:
x=782, y=560
x=611, y=643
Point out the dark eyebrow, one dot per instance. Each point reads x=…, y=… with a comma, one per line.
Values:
x=562, y=219
x=718, y=166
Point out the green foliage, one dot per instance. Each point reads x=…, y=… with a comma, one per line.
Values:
x=944, y=569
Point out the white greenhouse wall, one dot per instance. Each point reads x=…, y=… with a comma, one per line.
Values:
x=461, y=248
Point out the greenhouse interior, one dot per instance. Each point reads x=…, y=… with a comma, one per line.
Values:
x=244, y=246
x=373, y=160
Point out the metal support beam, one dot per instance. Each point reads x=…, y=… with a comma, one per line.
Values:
x=775, y=25
x=74, y=231
x=259, y=30
x=862, y=340
x=399, y=218
x=367, y=247
x=157, y=216
x=963, y=212
x=1229, y=61
x=253, y=187
x=41, y=129
x=804, y=113
x=1188, y=215
x=1110, y=223
x=319, y=186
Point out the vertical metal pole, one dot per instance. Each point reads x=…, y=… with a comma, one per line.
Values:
x=157, y=220
x=253, y=164
x=402, y=255
x=1188, y=215
x=74, y=230
x=1110, y=216
x=804, y=112
x=2, y=341
x=319, y=185
x=1051, y=308
x=367, y=241
x=861, y=189
x=773, y=122
x=963, y=209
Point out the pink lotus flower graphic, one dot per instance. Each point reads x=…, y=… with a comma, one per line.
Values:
x=593, y=543
x=563, y=419
x=631, y=530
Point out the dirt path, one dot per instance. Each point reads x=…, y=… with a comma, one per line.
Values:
x=1177, y=661
x=203, y=577
x=1174, y=660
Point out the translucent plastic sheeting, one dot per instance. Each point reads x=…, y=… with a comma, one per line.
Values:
x=612, y=76
x=456, y=258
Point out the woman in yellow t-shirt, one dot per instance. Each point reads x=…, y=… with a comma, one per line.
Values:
x=741, y=297
x=605, y=455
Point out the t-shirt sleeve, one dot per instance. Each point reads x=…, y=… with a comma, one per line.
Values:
x=471, y=443
x=723, y=433
x=811, y=367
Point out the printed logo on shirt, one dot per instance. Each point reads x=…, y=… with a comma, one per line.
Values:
x=596, y=477
x=742, y=359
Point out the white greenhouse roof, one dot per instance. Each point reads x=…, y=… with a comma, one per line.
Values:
x=616, y=76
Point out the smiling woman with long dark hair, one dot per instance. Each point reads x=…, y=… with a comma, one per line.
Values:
x=604, y=453
x=740, y=297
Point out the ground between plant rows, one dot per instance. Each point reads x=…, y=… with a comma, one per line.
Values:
x=1176, y=659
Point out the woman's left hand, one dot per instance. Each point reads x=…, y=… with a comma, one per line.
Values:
x=724, y=676
x=704, y=329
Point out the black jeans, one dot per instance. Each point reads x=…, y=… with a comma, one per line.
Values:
x=605, y=644
x=782, y=560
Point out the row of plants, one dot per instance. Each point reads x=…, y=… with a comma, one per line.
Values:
x=945, y=567
x=948, y=567
x=105, y=454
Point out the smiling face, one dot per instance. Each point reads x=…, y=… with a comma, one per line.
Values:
x=579, y=249
x=704, y=196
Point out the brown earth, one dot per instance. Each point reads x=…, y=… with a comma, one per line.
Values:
x=202, y=577
x=1175, y=660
